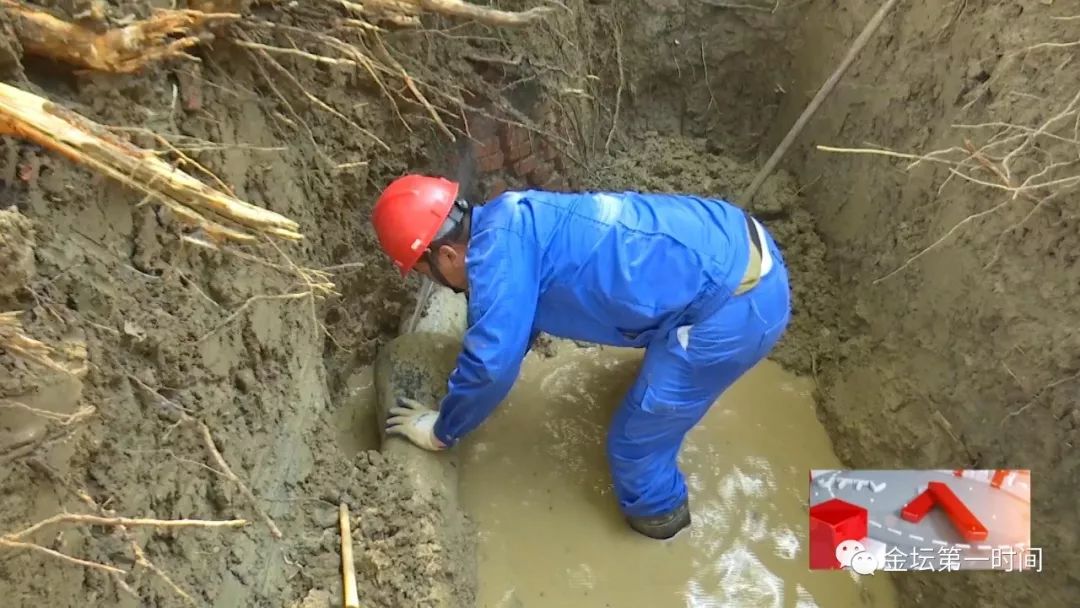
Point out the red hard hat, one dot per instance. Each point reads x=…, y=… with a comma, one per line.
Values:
x=408, y=215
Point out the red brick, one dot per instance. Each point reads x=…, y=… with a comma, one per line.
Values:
x=519, y=151
x=483, y=127
x=513, y=136
x=489, y=163
x=190, y=88
x=541, y=174
x=26, y=172
x=548, y=151
x=487, y=145
x=525, y=166
x=559, y=162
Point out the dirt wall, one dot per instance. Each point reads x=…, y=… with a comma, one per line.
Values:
x=970, y=353
x=227, y=337
x=968, y=356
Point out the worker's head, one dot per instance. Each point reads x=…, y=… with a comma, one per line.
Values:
x=422, y=224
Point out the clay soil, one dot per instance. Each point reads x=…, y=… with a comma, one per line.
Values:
x=952, y=362
x=966, y=356
x=166, y=325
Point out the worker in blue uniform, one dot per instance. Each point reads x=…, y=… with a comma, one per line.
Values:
x=698, y=283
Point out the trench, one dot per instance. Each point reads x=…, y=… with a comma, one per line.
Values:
x=544, y=528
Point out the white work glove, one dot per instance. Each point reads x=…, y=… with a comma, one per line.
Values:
x=416, y=422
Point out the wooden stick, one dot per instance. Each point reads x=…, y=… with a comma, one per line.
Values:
x=351, y=598
x=808, y=113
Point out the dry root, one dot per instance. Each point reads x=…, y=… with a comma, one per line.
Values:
x=57, y=417
x=223, y=467
x=17, y=541
x=14, y=341
x=166, y=35
x=127, y=522
x=406, y=13
x=1031, y=166
x=356, y=43
x=61, y=428
x=28, y=116
x=1016, y=160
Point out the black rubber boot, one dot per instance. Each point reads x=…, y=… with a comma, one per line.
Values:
x=662, y=527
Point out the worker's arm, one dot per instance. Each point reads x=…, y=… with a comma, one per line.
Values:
x=503, y=290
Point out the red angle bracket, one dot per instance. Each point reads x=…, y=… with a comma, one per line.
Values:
x=999, y=477
x=959, y=515
x=962, y=519
x=915, y=510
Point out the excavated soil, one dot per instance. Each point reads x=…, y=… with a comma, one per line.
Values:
x=17, y=251
x=167, y=325
x=968, y=356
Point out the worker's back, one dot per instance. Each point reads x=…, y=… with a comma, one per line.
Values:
x=616, y=268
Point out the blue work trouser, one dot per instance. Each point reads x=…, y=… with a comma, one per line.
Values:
x=677, y=384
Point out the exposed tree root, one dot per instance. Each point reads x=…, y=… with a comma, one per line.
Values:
x=17, y=541
x=57, y=417
x=223, y=467
x=357, y=44
x=128, y=522
x=166, y=35
x=406, y=13
x=1034, y=165
x=17, y=545
x=28, y=116
x=483, y=14
x=1007, y=156
x=62, y=427
x=13, y=340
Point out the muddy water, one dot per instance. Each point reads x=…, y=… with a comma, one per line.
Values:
x=536, y=481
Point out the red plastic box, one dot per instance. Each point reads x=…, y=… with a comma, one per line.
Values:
x=831, y=523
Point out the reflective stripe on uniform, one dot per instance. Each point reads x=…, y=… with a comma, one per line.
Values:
x=760, y=261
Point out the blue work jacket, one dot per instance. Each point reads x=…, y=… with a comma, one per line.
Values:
x=609, y=268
